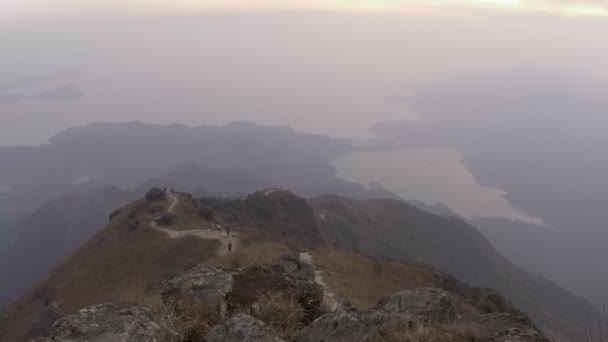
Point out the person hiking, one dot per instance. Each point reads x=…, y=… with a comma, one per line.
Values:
x=230, y=247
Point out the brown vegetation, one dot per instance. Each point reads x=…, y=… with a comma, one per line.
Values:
x=283, y=313
x=120, y=263
x=364, y=281
x=401, y=332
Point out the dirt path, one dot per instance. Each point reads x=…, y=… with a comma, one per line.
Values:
x=329, y=298
x=208, y=234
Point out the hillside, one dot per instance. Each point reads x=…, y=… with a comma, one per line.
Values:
x=396, y=230
x=46, y=237
x=148, y=241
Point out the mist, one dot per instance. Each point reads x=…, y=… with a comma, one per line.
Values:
x=493, y=118
x=318, y=72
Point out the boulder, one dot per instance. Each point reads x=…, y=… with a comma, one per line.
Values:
x=344, y=325
x=504, y=327
x=111, y=322
x=207, y=284
x=423, y=304
x=407, y=307
x=242, y=328
x=292, y=265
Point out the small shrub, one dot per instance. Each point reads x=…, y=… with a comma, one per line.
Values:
x=167, y=219
x=114, y=214
x=206, y=213
x=155, y=195
x=157, y=208
x=133, y=223
x=133, y=212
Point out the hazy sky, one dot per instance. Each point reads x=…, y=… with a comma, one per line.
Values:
x=21, y=8
x=327, y=71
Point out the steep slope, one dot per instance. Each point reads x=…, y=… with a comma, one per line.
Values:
x=393, y=229
x=51, y=233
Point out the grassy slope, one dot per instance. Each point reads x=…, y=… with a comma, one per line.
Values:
x=119, y=260
x=393, y=229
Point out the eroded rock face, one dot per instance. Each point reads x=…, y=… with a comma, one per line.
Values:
x=209, y=285
x=111, y=322
x=242, y=328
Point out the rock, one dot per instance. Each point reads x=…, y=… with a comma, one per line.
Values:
x=344, y=325
x=293, y=266
x=407, y=307
x=111, y=322
x=45, y=319
x=504, y=327
x=242, y=328
x=209, y=285
x=424, y=304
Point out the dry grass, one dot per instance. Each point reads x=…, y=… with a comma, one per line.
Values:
x=194, y=318
x=403, y=332
x=247, y=255
x=282, y=313
x=363, y=281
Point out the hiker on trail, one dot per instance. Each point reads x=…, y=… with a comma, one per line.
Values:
x=230, y=247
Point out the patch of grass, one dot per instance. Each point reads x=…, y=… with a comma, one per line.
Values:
x=282, y=313
x=261, y=254
x=403, y=332
x=364, y=281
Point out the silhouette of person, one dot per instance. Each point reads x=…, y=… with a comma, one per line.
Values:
x=230, y=247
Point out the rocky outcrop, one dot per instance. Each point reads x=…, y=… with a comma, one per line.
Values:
x=425, y=304
x=110, y=322
x=209, y=285
x=294, y=267
x=242, y=328
x=407, y=307
x=504, y=327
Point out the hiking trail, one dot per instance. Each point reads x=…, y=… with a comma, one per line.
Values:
x=203, y=233
x=329, y=298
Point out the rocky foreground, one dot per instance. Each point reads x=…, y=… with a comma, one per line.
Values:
x=234, y=305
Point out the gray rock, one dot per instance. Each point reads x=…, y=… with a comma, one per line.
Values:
x=112, y=323
x=407, y=307
x=292, y=265
x=209, y=285
x=344, y=325
x=423, y=304
x=242, y=328
x=504, y=327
